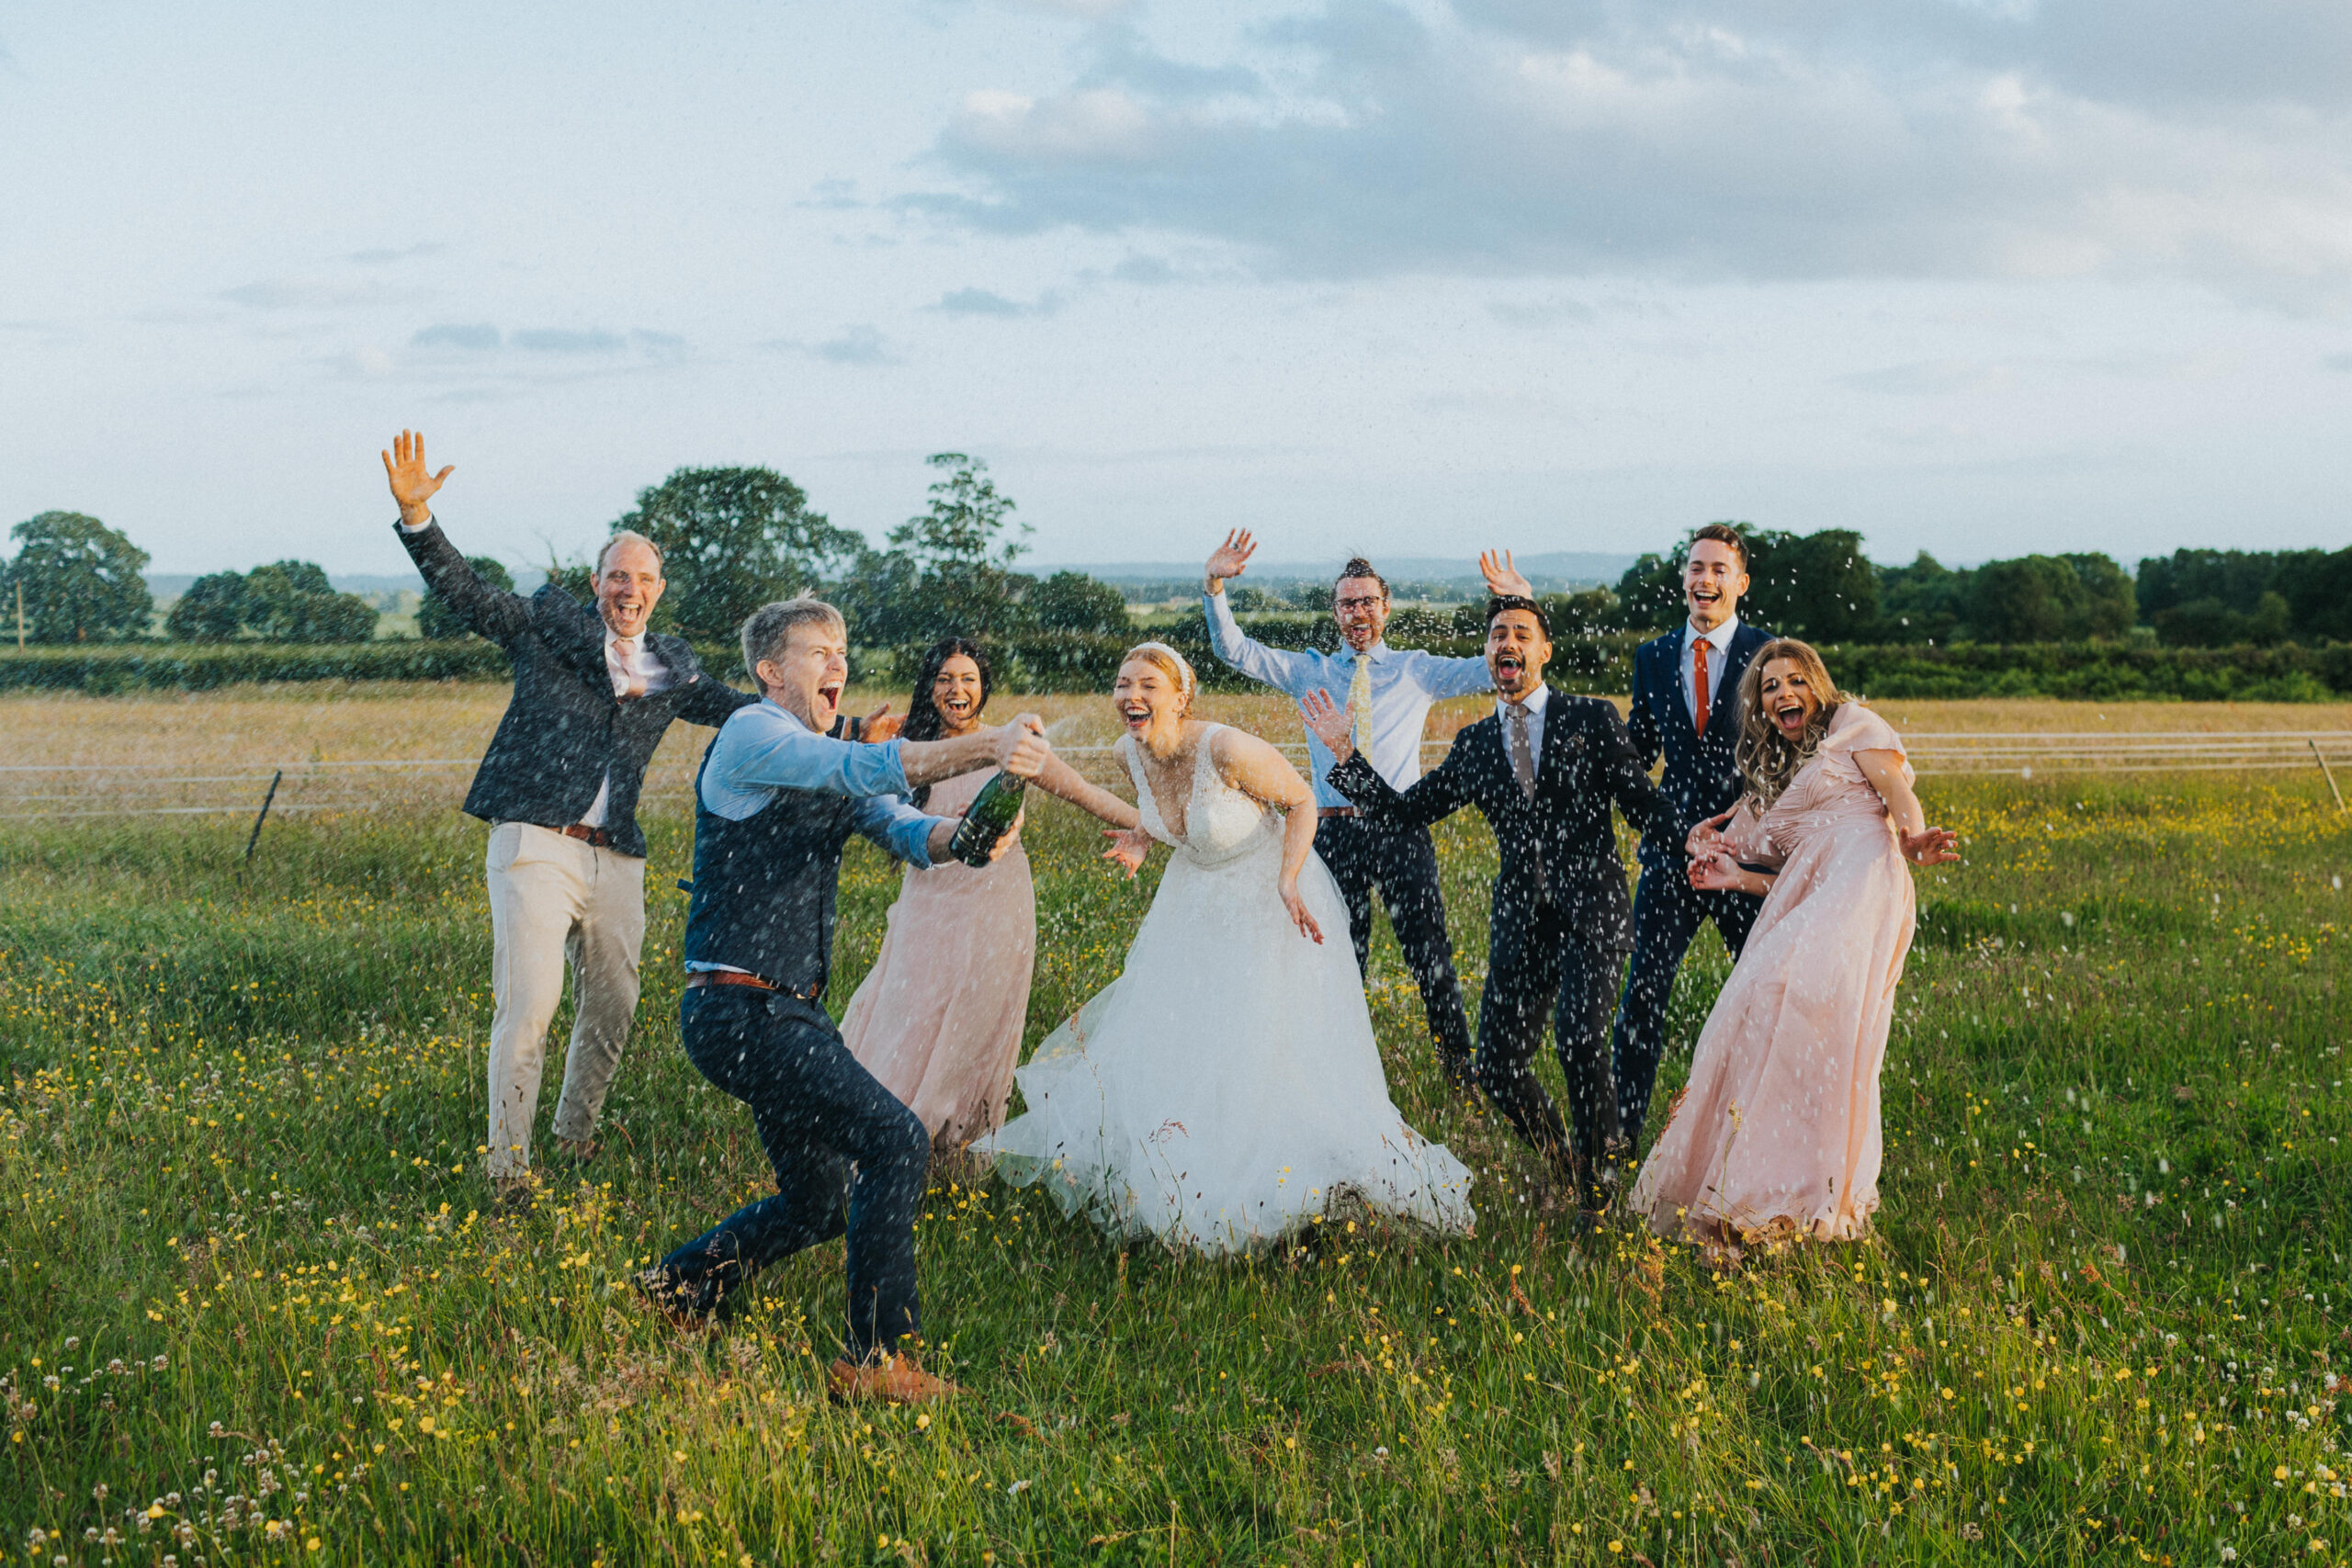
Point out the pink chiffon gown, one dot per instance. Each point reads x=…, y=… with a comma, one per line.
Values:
x=1777, y=1133
x=938, y=1018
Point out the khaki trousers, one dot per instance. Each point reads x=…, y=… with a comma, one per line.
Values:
x=555, y=900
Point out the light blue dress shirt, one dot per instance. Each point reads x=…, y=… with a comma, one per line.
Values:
x=762, y=749
x=1403, y=683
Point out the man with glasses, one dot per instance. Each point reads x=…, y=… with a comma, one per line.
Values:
x=1388, y=693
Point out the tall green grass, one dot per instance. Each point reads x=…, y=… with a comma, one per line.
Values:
x=253, y=1305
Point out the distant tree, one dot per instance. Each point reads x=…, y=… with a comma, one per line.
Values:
x=731, y=540
x=1924, y=602
x=1071, y=600
x=962, y=547
x=436, y=622
x=81, y=579
x=1245, y=599
x=212, y=609
x=2049, y=599
x=881, y=597
x=291, y=601
x=1649, y=595
x=1818, y=586
x=2110, y=605
x=2215, y=598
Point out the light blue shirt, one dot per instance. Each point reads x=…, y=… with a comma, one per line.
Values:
x=762, y=749
x=1403, y=683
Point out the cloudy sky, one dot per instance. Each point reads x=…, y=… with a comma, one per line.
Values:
x=1972, y=277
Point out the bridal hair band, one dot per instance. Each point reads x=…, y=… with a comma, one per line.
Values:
x=1170, y=660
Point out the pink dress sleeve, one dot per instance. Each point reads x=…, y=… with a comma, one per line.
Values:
x=1857, y=729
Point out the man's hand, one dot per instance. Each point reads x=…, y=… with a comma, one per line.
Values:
x=1229, y=559
x=412, y=483
x=1128, y=848
x=879, y=725
x=1330, y=723
x=1503, y=580
x=1020, y=747
x=1008, y=837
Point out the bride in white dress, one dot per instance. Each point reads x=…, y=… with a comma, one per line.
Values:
x=1225, y=1089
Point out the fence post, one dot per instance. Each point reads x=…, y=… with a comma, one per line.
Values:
x=2326, y=773
x=263, y=814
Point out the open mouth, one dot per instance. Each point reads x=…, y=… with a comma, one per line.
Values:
x=957, y=707
x=1136, y=714
x=1508, y=666
x=1700, y=595
x=1789, y=715
x=829, y=695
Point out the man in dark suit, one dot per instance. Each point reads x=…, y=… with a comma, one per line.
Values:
x=593, y=692
x=1543, y=770
x=1686, y=704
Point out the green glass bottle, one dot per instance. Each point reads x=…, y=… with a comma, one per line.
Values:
x=989, y=818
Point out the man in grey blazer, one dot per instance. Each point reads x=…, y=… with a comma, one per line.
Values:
x=593, y=694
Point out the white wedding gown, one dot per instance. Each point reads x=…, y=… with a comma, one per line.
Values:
x=1225, y=1087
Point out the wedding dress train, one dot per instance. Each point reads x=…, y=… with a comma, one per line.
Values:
x=1226, y=1088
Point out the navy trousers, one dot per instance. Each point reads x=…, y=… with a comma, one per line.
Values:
x=849, y=1158
x=1667, y=913
x=1548, y=969
x=1402, y=863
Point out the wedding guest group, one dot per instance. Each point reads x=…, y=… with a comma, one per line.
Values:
x=1224, y=1090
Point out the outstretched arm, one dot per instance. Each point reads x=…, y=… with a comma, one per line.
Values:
x=1058, y=778
x=1434, y=796
x=1628, y=777
x=1275, y=667
x=493, y=612
x=1922, y=845
x=1259, y=772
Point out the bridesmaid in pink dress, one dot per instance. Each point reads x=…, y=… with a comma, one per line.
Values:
x=1777, y=1135
x=938, y=1020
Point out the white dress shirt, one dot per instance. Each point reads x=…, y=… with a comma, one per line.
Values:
x=1718, y=649
x=1534, y=704
x=631, y=664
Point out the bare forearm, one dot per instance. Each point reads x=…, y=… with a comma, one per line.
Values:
x=1060, y=779
x=1299, y=838
x=935, y=845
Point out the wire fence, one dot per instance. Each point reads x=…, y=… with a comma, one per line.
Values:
x=86, y=790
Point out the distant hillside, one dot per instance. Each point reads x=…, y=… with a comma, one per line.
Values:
x=1413, y=576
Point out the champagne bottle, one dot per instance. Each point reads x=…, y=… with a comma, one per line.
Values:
x=989, y=819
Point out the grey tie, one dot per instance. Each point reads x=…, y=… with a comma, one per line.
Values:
x=1522, y=757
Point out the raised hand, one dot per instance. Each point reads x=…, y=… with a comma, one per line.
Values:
x=1330, y=723
x=1503, y=580
x=1706, y=838
x=879, y=725
x=1930, y=846
x=412, y=483
x=1300, y=915
x=1022, y=748
x=1128, y=848
x=1231, y=558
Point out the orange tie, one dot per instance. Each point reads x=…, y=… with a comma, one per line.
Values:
x=1698, y=682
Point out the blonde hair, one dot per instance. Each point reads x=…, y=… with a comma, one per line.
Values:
x=628, y=536
x=1169, y=663
x=770, y=628
x=1769, y=760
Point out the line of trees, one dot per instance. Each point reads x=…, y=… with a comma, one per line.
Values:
x=735, y=537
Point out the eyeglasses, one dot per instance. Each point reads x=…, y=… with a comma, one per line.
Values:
x=1359, y=603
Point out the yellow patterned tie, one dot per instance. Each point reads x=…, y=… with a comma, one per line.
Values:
x=1360, y=704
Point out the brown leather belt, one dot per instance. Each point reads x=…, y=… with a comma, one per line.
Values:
x=698, y=978
x=598, y=836
x=1323, y=811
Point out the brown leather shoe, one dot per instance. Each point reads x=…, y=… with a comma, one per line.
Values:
x=894, y=1378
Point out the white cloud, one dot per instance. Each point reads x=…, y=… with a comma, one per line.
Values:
x=1703, y=141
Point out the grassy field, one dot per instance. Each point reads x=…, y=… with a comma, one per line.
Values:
x=253, y=1307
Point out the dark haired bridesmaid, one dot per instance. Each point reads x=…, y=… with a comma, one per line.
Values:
x=938, y=1018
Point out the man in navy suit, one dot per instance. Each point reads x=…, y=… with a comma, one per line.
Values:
x=1686, y=704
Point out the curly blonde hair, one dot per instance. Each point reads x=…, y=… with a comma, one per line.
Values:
x=1769, y=760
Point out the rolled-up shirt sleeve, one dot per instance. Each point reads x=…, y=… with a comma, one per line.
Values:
x=898, y=828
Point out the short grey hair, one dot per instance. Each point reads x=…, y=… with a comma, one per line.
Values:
x=765, y=633
x=628, y=536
